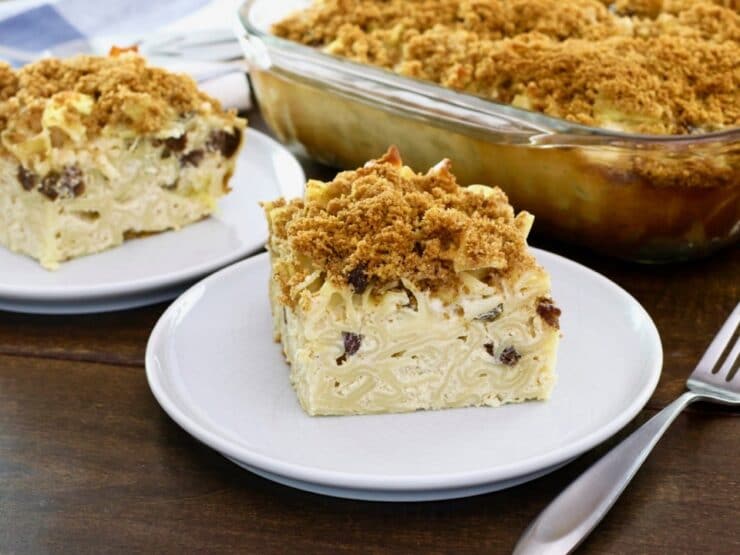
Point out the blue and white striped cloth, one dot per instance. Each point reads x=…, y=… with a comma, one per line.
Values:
x=66, y=26
x=32, y=29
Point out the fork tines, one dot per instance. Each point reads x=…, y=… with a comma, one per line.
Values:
x=709, y=372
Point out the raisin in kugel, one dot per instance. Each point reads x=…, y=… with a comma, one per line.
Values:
x=489, y=348
x=192, y=158
x=27, y=178
x=549, y=312
x=177, y=144
x=352, y=342
x=358, y=279
x=226, y=143
x=509, y=356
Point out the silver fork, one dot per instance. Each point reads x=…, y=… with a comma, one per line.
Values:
x=571, y=516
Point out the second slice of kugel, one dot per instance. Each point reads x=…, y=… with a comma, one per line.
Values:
x=94, y=150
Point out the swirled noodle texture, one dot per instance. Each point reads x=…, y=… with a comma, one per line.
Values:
x=407, y=350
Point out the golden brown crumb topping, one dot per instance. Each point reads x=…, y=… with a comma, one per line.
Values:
x=117, y=90
x=383, y=222
x=8, y=81
x=647, y=66
x=8, y=87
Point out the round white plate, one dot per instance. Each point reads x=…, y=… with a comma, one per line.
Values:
x=157, y=267
x=213, y=366
x=92, y=305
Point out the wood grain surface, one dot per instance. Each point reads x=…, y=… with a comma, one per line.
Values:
x=89, y=463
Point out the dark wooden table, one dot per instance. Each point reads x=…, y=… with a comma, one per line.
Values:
x=89, y=463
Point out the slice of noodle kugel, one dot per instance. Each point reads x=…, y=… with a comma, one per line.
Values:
x=393, y=291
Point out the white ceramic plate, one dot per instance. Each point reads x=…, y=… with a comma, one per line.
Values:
x=154, y=268
x=213, y=366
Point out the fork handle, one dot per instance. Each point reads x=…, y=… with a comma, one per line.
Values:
x=571, y=516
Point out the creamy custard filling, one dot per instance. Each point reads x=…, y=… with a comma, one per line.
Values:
x=120, y=188
x=409, y=351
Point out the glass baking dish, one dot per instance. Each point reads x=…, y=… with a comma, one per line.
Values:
x=641, y=197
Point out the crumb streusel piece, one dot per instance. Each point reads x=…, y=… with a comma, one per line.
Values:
x=394, y=291
x=94, y=150
x=645, y=66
